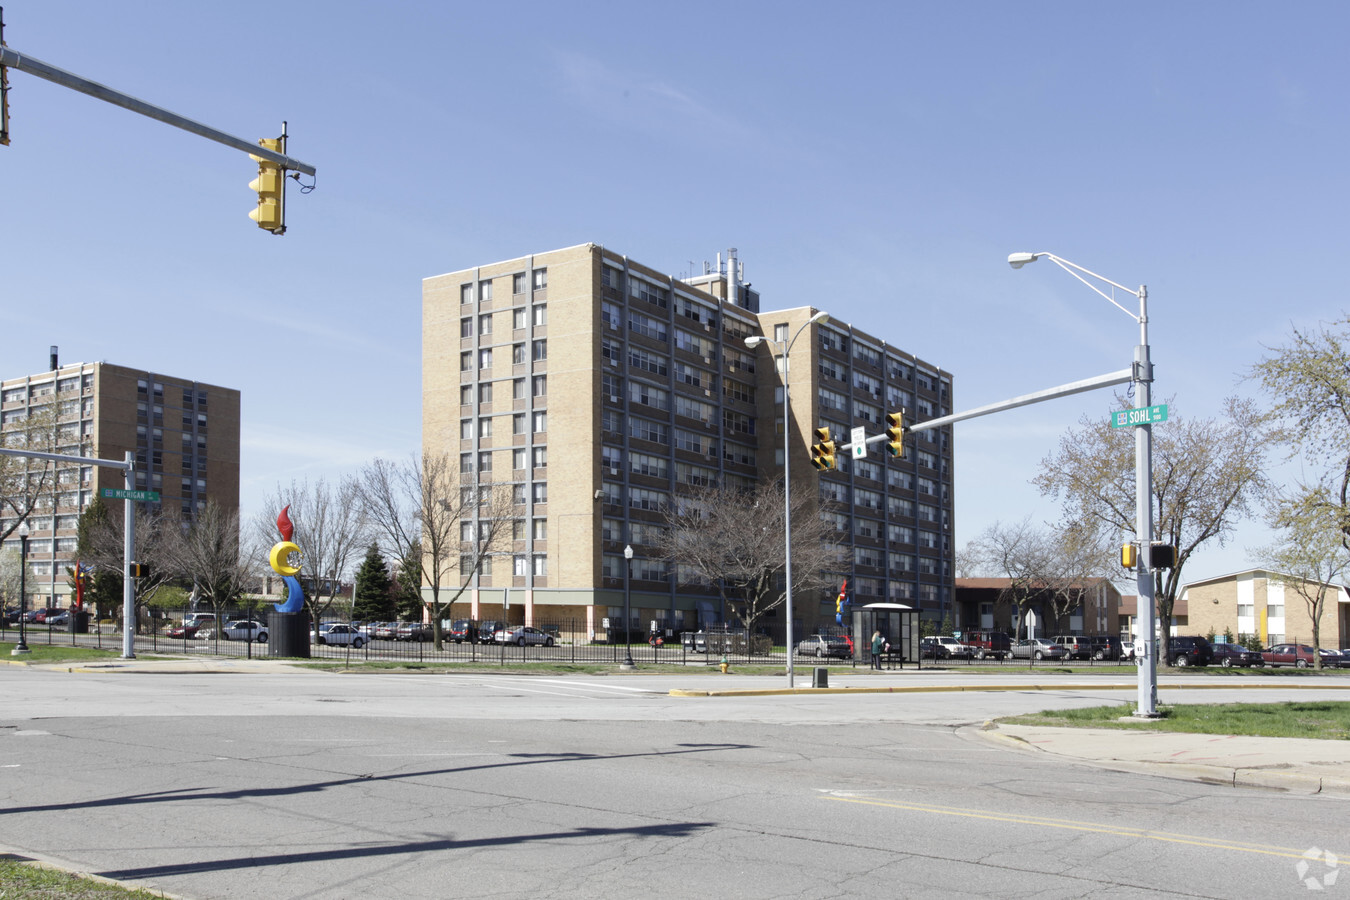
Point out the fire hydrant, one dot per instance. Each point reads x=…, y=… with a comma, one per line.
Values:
x=723, y=665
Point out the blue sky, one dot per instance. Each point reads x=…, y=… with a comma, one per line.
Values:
x=875, y=160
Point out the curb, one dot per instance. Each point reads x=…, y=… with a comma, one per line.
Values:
x=954, y=688
x=39, y=863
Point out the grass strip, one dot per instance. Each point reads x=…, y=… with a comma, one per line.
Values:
x=1320, y=719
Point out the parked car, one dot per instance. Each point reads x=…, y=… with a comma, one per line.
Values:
x=1229, y=655
x=1345, y=657
x=821, y=645
x=1076, y=646
x=182, y=631
x=1298, y=655
x=462, y=630
x=1189, y=650
x=413, y=631
x=1037, y=648
x=201, y=620
x=1106, y=646
x=522, y=635
x=385, y=631
x=244, y=630
x=989, y=643
x=944, y=646
x=488, y=629
x=339, y=635
x=59, y=618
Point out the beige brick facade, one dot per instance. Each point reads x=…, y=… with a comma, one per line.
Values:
x=595, y=385
x=1255, y=602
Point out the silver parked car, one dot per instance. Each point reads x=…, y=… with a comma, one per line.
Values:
x=819, y=645
x=244, y=630
x=1038, y=648
x=522, y=635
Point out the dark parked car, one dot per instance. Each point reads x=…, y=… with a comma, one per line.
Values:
x=1189, y=650
x=988, y=643
x=413, y=631
x=1106, y=646
x=1298, y=655
x=462, y=630
x=1229, y=655
x=1345, y=657
x=488, y=628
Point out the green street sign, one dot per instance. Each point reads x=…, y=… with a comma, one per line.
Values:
x=1144, y=415
x=124, y=494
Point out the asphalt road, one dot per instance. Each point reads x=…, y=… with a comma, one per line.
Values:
x=330, y=786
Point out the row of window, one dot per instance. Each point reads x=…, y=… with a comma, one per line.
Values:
x=538, y=280
x=537, y=457
x=484, y=356
x=484, y=390
x=522, y=317
x=521, y=423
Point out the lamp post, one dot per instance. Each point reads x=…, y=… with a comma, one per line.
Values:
x=786, y=347
x=1147, y=701
x=627, y=664
x=22, y=647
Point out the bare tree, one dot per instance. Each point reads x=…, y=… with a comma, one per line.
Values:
x=328, y=530
x=423, y=500
x=158, y=536
x=210, y=555
x=1207, y=473
x=24, y=481
x=734, y=539
x=1018, y=552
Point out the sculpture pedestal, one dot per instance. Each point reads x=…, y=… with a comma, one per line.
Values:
x=288, y=634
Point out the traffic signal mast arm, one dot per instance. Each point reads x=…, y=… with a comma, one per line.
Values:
x=25, y=63
x=1124, y=376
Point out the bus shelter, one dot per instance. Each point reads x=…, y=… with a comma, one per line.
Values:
x=898, y=624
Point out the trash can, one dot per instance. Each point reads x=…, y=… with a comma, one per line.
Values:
x=820, y=677
x=79, y=622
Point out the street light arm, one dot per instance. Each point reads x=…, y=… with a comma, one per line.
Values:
x=1017, y=260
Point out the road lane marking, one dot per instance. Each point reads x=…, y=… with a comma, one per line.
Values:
x=1071, y=825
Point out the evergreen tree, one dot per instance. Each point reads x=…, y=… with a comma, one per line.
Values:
x=408, y=586
x=104, y=593
x=374, y=602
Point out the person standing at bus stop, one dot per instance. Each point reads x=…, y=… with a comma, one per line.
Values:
x=878, y=644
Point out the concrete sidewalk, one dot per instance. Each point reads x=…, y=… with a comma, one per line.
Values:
x=1287, y=764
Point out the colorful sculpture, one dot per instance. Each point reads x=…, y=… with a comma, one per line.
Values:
x=280, y=558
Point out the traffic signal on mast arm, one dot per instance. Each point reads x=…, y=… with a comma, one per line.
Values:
x=822, y=452
x=895, y=433
x=271, y=187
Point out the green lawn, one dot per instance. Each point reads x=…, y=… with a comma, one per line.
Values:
x=50, y=653
x=21, y=880
x=1318, y=719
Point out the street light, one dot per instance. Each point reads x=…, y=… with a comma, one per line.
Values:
x=786, y=347
x=627, y=664
x=1147, y=705
x=22, y=646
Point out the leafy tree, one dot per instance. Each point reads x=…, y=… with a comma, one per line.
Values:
x=1312, y=558
x=374, y=598
x=104, y=591
x=733, y=539
x=1207, y=474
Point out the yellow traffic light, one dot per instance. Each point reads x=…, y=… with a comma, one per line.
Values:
x=271, y=188
x=895, y=430
x=822, y=453
x=1129, y=556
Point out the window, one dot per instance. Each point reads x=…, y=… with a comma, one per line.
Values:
x=485, y=461
x=647, y=430
x=540, y=564
x=466, y=293
x=540, y=385
x=466, y=429
x=485, y=323
x=780, y=332
x=539, y=423
x=518, y=283
x=540, y=279
x=466, y=327
x=517, y=354
x=519, y=318
x=485, y=392
x=520, y=565
x=518, y=424
x=641, y=359
x=484, y=427
x=646, y=464
x=465, y=466
x=647, y=326
x=466, y=531
x=540, y=314
x=540, y=457
x=466, y=361
x=611, y=459
x=539, y=491
x=518, y=389
x=540, y=529
x=645, y=394
x=541, y=349
x=517, y=529
x=518, y=458
x=485, y=358
x=466, y=395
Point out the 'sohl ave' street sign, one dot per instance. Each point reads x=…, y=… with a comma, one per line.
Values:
x=1144, y=415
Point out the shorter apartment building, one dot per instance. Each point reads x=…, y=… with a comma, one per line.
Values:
x=985, y=604
x=1266, y=604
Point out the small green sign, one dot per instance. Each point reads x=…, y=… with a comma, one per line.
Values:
x=1144, y=415
x=124, y=494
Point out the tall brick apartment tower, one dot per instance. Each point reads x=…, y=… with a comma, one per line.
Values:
x=184, y=434
x=597, y=386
